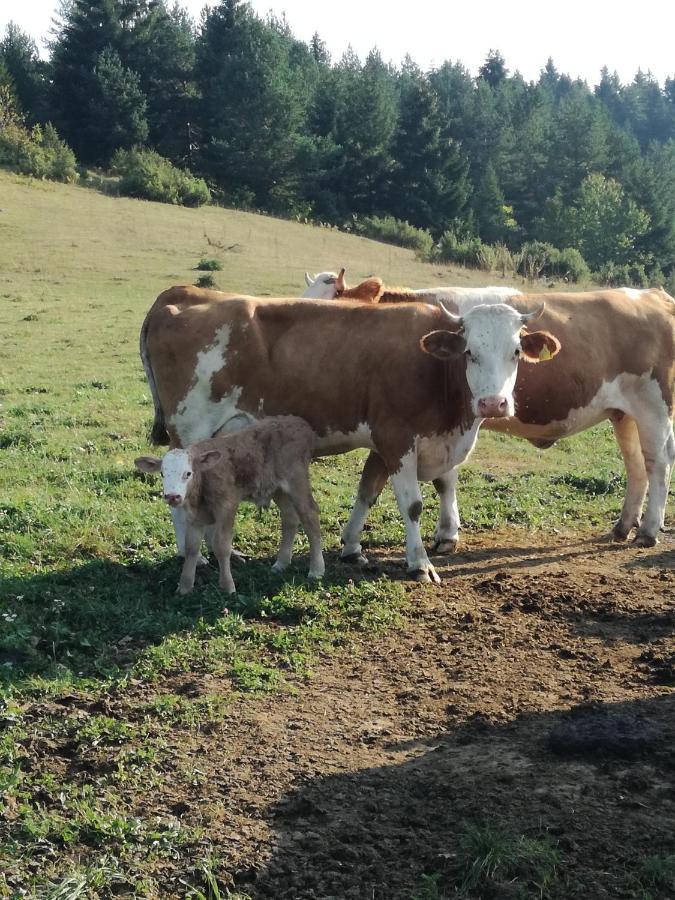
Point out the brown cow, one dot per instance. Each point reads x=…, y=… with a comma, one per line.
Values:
x=410, y=381
x=617, y=363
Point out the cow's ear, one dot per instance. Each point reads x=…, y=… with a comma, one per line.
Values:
x=148, y=463
x=443, y=344
x=538, y=346
x=209, y=459
x=367, y=292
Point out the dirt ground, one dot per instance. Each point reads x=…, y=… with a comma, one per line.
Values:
x=362, y=780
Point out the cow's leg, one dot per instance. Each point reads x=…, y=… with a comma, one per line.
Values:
x=409, y=498
x=446, y=534
x=289, y=528
x=222, y=546
x=194, y=535
x=626, y=431
x=306, y=508
x=180, y=526
x=373, y=479
x=658, y=448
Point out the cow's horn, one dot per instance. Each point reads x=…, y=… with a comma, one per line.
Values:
x=309, y=279
x=533, y=316
x=340, y=282
x=456, y=320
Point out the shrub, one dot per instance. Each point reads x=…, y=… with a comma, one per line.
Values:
x=206, y=281
x=505, y=261
x=463, y=251
x=535, y=257
x=38, y=152
x=614, y=275
x=570, y=265
x=146, y=174
x=394, y=231
x=209, y=265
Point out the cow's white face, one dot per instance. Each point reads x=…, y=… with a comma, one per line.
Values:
x=324, y=286
x=490, y=339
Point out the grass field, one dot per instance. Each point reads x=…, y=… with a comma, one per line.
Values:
x=89, y=618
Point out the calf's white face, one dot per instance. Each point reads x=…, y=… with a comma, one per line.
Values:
x=177, y=470
x=491, y=341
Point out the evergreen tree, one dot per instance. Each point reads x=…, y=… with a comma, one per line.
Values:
x=252, y=109
x=578, y=145
x=87, y=29
x=429, y=183
x=116, y=109
x=494, y=218
x=493, y=70
x=19, y=55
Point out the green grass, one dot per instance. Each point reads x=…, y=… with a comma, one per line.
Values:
x=87, y=572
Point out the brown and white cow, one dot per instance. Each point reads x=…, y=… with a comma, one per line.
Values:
x=411, y=382
x=617, y=363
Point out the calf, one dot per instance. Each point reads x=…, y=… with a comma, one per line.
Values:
x=266, y=461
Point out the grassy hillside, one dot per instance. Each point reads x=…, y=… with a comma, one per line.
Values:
x=86, y=556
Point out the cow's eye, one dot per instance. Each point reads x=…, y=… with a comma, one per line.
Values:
x=470, y=355
x=517, y=353
x=186, y=475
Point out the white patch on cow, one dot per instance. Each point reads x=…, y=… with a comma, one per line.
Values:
x=437, y=455
x=176, y=473
x=197, y=416
x=342, y=441
x=632, y=293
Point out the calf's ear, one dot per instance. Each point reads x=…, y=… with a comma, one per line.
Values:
x=148, y=463
x=209, y=459
x=443, y=344
x=538, y=346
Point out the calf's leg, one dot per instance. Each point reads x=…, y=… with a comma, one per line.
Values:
x=300, y=495
x=192, y=542
x=222, y=547
x=180, y=527
x=289, y=528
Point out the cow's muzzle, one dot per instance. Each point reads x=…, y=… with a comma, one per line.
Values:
x=493, y=407
x=173, y=499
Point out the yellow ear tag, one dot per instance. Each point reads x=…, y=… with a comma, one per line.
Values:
x=544, y=353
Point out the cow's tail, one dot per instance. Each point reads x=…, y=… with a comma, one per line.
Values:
x=158, y=434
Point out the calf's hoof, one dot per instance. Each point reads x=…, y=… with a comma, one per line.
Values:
x=202, y=560
x=182, y=589
x=355, y=559
x=444, y=548
x=315, y=576
x=279, y=566
x=644, y=540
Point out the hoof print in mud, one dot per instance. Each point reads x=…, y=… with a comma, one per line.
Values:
x=596, y=733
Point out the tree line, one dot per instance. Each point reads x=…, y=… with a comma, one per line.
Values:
x=273, y=123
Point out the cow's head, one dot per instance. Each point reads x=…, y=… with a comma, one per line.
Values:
x=492, y=340
x=325, y=285
x=178, y=469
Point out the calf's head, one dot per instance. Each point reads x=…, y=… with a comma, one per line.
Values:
x=492, y=340
x=178, y=469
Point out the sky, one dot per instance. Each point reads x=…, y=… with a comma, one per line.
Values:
x=580, y=35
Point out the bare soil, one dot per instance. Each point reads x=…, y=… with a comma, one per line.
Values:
x=363, y=778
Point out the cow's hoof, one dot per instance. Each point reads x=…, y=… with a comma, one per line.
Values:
x=278, y=566
x=202, y=560
x=183, y=590
x=444, y=548
x=355, y=559
x=238, y=557
x=425, y=576
x=644, y=540
x=620, y=533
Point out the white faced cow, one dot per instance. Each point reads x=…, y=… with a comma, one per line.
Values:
x=617, y=363
x=411, y=382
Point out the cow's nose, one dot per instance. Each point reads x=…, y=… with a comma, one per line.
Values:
x=172, y=499
x=493, y=407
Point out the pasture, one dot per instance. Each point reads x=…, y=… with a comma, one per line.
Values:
x=366, y=738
